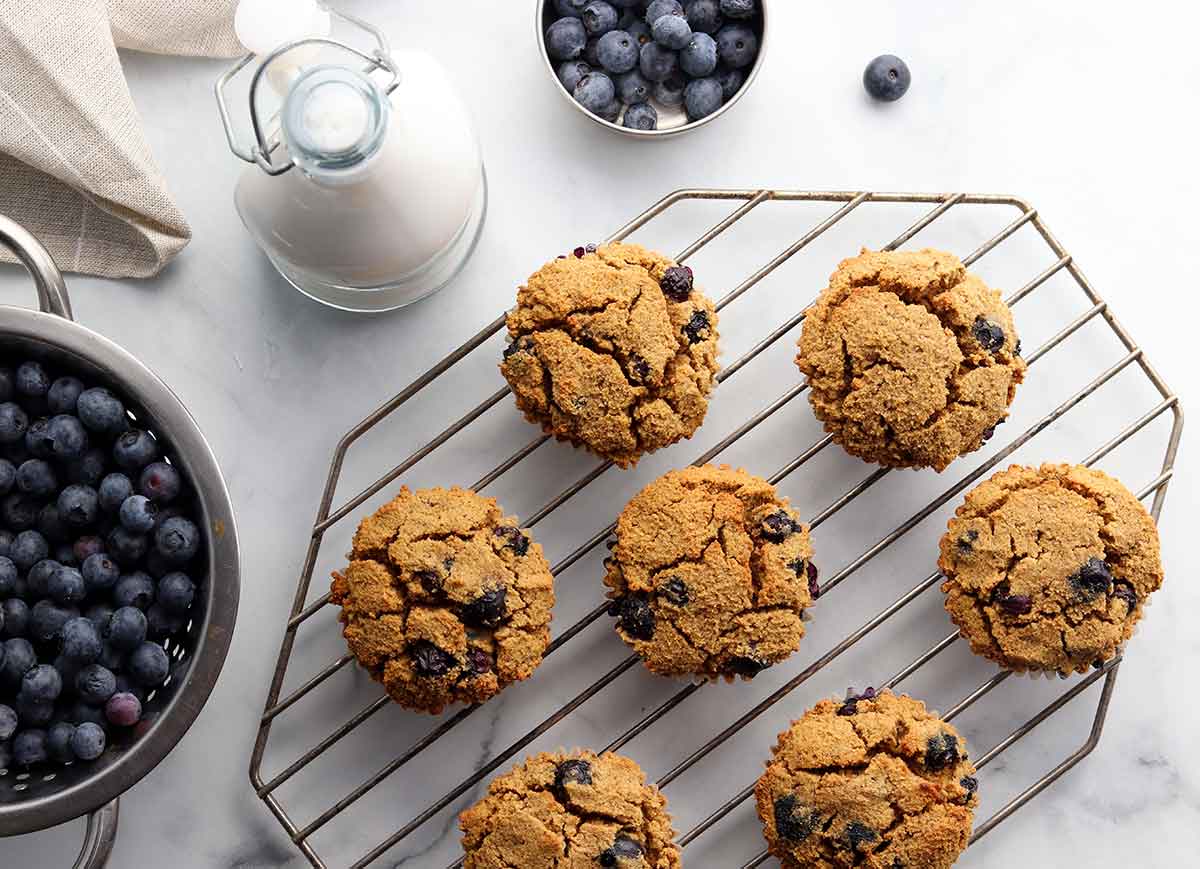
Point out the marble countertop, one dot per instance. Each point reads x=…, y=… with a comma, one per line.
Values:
x=1085, y=110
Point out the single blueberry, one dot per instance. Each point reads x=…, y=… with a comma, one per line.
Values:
x=989, y=335
x=941, y=751
x=102, y=412
x=569, y=73
x=123, y=709
x=430, y=661
x=676, y=283
x=1091, y=580
x=675, y=590
x=134, y=590
x=737, y=46
x=794, y=821
x=100, y=572
x=565, y=39
x=632, y=87
x=570, y=8
x=32, y=380
x=68, y=438
x=42, y=682
x=779, y=526
x=37, y=439
x=698, y=325
x=479, y=661
x=610, y=112
x=618, y=51
x=138, y=513
x=8, y=722
x=125, y=547
x=14, y=422
x=704, y=16
x=178, y=539
x=134, y=449
x=640, y=116
x=16, y=618
x=887, y=78
x=699, y=57
x=671, y=32
x=28, y=548
x=634, y=616
x=658, y=8
x=160, y=482
x=175, y=593
x=58, y=742
x=730, y=80
x=149, y=665
x=113, y=491
x=80, y=641
x=599, y=18
x=19, y=658
x=969, y=783
x=29, y=748
x=36, y=477
x=657, y=63
x=89, y=468
x=702, y=97
x=859, y=834
x=515, y=539
x=78, y=505
x=126, y=629
x=738, y=8
x=670, y=90
x=622, y=848
x=88, y=740
x=487, y=610
x=66, y=585
x=595, y=91
x=51, y=526
x=63, y=394
x=34, y=713
x=1015, y=604
x=574, y=771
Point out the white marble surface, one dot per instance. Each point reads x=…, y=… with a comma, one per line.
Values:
x=1085, y=109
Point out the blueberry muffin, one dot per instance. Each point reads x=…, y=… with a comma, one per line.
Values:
x=875, y=781
x=613, y=349
x=1048, y=569
x=710, y=574
x=911, y=359
x=570, y=811
x=445, y=599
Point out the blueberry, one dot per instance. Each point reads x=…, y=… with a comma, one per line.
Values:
x=125, y=547
x=599, y=18
x=669, y=91
x=134, y=590
x=622, y=848
x=37, y=439
x=571, y=71
x=32, y=380
x=698, y=58
x=746, y=665
x=88, y=740
x=966, y=542
x=657, y=63
x=618, y=51
x=63, y=394
x=595, y=91
x=610, y=112
x=28, y=548
x=574, y=771
x=67, y=586
x=16, y=618
x=19, y=512
x=641, y=116
x=102, y=412
x=19, y=657
x=704, y=16
x=634, y=617
x=113, y=491
x=676, y=591
x=36, y=477
x=161, y=624
x=113, y=658
x=658, y=8
x=123, y=709
x=591, y=53
x=1091, y=580
x=86, y=546
x=737, y=45
x=41, y=682
x=149, y=665
x=793, y=821
x=779, y=526
x=887, y=78
x=134, y=449
x=58, y=742
x=698, y=325
x=14, y=422
x=78, y=505
x=941, y=751
x=89, y=468
x=100, y=572
x=671, y=31
x=68, y=438
x=138, y=513
x=176, y=592
x=80, y=641
x=99, y=614
x=34, y=713
x=1013, y=604
x=570, y=8
x=487, y=610
x=989, y=335
x=1122, y=590
x=428, y=660
x=46, y=620
x=730, y=80
x=479, y=661
x=859, y=834
x=8, y=576
x=29, y=748
x=51, y=526
x=8, y=476
x=178, y=539
x=8, y=722
x=738, y=8
x=160, y=482
x=632, y=87
x=970, y=784
x=565, y=39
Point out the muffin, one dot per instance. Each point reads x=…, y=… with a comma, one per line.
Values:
x=445, y=598
x=612, y=349
x=911, y=360
x=1049, y=569
x=710, y=574
x=875, y=781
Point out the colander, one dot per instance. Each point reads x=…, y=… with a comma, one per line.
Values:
x=30, y=802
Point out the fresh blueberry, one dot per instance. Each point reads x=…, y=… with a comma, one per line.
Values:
x=941, y=751
x=29, y=748
x=565, y=39
x=100, y=572
x=704, y=16
x=138, y=513
x=178, y=539
x=618, y=51
x=9, y=574
x=41, y=682
x=16, y=618
x=38, y=578
x=658, y=8
x=161, y=624
x=28, y=548
x=99, y=614
x=58, y=742
x=46, y=620
x=123, y=709
x=149, y=665
x=887, y=78
x=134, y=449
x=738, y=8
x=657, y=63
x=80, y=641
x=14, y=422
x=134, y=590
x=63, y=394
x=78, y=505
x=699, y=57
x=68, y=438
x=570, y=8
x=67, y=586
x=8, y=722
x=36, y=477
x=429, y=660
x=19, y=658
x=641, y=116
x=32, y=380
x=112, y=658
x=102, y=412
x=599, y=18
x=569, y=73
x=669, y=91
x=595, y=91
x=88, y=740
x=632, y=88
x=634, y=617
x=737, y=45
x=19, y=512
x=125, y=547
x=37, y=439
x=176, y=592
x=89, y=468
x=701, y=98
x=51, y=526
x=8, y=476
x=671, y=31
x=113, y=491
x=160, y=482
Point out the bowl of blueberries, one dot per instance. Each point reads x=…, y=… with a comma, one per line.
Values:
x=119, y=576
x=652, y=68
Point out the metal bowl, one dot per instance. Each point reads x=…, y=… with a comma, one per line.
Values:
x=33, y=802
x=674, y=116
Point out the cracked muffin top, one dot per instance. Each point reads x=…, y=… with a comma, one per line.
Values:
x=1049, y=568
x=445, y=599
x=570, y=811
x=912, y=360
x=710, y=574
x=874, y=781
x=612, y=349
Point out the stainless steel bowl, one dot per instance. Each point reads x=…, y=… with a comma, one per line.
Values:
x=29, y=803
x=673, y=116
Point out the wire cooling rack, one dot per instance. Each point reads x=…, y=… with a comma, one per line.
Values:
x=302, y=832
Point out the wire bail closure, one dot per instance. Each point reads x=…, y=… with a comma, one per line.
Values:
x=260, y=152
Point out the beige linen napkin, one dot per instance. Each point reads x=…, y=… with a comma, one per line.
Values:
x=75, y=169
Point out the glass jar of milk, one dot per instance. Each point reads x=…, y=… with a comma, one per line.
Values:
x=370, y=192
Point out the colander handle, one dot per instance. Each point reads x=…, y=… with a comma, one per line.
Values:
x=51, y=289
x=99, y=839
